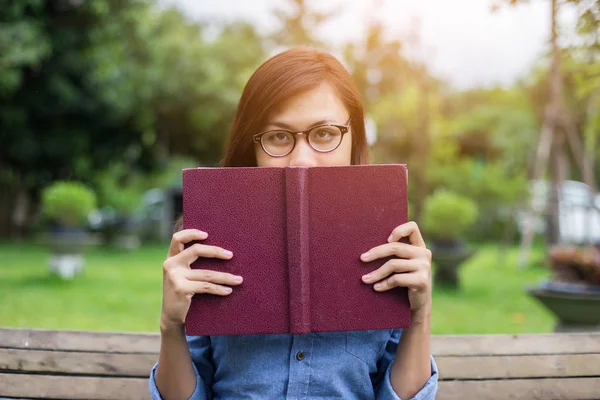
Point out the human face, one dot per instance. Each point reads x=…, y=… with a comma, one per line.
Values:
x=301, y=112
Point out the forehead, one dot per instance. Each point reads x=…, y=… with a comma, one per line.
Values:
x=319, y=104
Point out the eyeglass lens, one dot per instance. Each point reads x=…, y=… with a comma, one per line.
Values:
x=324, y=138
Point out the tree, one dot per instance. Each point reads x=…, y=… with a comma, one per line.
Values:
x=188, y=86
x=390, y=85
x=53, y=119
x=559, y=128
x=298, y=25
x=481, y=141
x=88, y=83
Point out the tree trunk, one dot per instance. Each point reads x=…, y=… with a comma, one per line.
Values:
x=581, y=156
x=559, y=172
x=20, y=212
x=6, y=208
x=544, y=149
x=421, y=146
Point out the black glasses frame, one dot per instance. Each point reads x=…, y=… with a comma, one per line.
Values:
x=257, y=138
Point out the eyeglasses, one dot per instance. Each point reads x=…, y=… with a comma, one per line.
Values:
x=322, y=138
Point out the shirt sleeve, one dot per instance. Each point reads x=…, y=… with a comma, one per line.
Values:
x=200, y=351
x=382, y=382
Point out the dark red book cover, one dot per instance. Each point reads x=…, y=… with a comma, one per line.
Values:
x=296, y=234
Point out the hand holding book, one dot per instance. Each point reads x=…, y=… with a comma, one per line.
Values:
x=180, y=282
x=412, y=268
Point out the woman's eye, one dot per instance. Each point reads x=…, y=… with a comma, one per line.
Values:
x=277, y=138
x=323, y=135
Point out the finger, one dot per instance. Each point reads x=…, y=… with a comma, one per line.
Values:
x=213, y=276
x=410, y=230
x=416, y=281
x=180, y=238
x=189, y=255
x=204, y=287
x=391, y=267
x=397, y=249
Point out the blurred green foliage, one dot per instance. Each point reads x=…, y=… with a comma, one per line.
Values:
x=68, y=203
x=119, y=190
x=111, y=92
x=447, y=215
x=88, y=83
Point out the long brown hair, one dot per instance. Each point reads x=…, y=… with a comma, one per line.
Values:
x=281, y=77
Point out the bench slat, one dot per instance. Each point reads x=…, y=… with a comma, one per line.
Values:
x=442, y=345
x=77, y=363
x=522, y=389
x=139, y=365
x=40, y=339
x=553, y=343
x=536, y=366
x=512, y=367
x=65, y=387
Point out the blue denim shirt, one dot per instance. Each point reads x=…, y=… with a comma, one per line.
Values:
x=327, y=365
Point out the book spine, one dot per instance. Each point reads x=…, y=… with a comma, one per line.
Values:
x=298, y=249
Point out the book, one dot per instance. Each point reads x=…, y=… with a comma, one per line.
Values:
x=297, y=234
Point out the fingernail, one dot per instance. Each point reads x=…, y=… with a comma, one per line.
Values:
x=367, y=277
x=377, y=286
x=390, y=238
x=366, y=256
x=203, y=234
x=238, y=279
x=227, y=290
x=228, y=253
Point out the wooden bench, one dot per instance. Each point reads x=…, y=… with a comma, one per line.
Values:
x=39, y=364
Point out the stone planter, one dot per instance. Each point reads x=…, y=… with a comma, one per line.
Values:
x=67, y=247
x=575, y=305
x=447, y=258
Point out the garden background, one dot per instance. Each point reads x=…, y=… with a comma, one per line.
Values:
x=103, y=102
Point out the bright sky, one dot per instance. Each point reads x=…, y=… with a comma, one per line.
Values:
x=462, y=40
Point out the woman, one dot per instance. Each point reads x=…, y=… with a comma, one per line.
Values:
x=294, y=111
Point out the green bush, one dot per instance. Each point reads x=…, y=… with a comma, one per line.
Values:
x=447, y=215
x=68, y=203
x=119, y=189
x=498, y=189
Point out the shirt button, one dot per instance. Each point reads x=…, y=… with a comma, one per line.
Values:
x=300, y=356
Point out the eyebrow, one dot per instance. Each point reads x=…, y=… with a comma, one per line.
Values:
x=283, y=125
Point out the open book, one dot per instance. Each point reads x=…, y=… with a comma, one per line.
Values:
x=296, y=234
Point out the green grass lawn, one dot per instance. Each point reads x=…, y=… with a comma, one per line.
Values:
x=121, y=291
x=492, y=297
